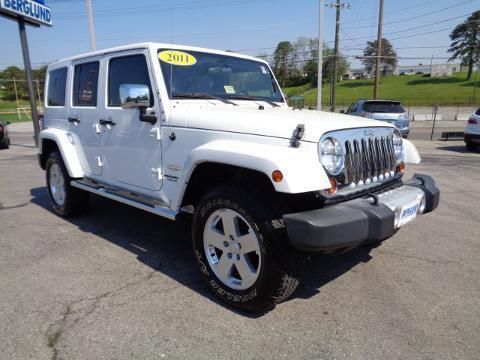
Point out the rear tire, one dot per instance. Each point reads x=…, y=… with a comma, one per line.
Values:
x=65, y=199
x=246, y=262
x=471, y=146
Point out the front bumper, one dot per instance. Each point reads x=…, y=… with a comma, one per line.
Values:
x=370, y=219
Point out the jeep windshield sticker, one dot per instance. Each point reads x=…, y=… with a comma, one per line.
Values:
x=178, y=58
x=229, y=89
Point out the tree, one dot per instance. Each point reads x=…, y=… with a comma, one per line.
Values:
x=466, y=42
x=388, y=59
x=7, y=75
x=311, y=66
x=282, y=61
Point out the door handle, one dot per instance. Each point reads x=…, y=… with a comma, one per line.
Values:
x=74, y=119
x=106, y=122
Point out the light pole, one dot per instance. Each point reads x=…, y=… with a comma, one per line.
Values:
x=338, y=6
x=320, y=57
x=91, y=29
x=379, y=50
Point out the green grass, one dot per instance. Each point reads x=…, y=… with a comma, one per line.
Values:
x=412, y=90
x=13, y=118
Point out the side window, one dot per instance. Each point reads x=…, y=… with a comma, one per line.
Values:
x=85, y=83
x=353, y=108
x=477, y=112
x=57, y=83
x=127, y=70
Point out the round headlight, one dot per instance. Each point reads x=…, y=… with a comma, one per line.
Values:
x=332, y=156
x=398, y=144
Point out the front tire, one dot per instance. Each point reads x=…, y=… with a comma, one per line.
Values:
x=64, y=199
x=246, y=262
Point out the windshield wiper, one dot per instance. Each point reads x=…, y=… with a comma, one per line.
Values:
x=197, y=95
x=246, y=97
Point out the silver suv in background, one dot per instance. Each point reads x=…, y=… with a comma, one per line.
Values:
x=384, y=110
x=472, y=132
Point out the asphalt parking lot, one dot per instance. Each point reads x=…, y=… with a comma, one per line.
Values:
x=119, y=283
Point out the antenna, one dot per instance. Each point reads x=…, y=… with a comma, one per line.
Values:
x=171, y=65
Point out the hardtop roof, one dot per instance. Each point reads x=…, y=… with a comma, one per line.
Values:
x=150, y=45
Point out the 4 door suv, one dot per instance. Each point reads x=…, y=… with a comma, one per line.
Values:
x=207, y=134
x=384, y=110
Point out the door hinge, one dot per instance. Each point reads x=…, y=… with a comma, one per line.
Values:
x=99, y=161
x=157, y=133
x=158, y=172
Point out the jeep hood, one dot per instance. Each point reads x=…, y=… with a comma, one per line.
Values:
x=278, y=122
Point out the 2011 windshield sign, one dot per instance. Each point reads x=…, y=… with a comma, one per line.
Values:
x=34, y=11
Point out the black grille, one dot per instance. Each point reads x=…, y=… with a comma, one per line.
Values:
x=369, y=160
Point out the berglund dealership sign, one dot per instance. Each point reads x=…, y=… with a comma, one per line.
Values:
x=33, y=12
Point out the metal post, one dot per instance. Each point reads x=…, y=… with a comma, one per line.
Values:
x=28, y=73
x=475, y=87
x=38, y=93
x=435, y=109
x=379, y=51
x=320, y=57
x=16, y=92
x=335, y=54
x=91, y=29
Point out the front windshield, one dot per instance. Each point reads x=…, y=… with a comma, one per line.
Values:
x=193, y=74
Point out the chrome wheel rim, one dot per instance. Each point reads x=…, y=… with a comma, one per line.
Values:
x=57, y=184
x=232, y=249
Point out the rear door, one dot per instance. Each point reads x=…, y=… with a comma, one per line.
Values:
x=84, y=114
x=131, y=148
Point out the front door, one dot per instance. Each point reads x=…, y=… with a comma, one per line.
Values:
x=84, y=112
x=131, y=148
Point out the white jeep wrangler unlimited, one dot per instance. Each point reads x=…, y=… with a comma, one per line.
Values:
x=175, y=129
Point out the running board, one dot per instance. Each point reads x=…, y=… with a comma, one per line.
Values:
x=157, y=210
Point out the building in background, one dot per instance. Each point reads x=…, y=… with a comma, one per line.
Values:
x=435, y=70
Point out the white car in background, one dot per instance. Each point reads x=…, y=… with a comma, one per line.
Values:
x=472, y=132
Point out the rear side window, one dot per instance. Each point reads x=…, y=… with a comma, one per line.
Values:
x=383, y=107
x=127, y=70
x=85, y=83
x=57, y=83
x=477, y=112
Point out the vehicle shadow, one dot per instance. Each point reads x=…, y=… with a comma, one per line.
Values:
x=459, y=149
x=165, y=246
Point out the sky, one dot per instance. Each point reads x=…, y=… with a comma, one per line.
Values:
x=418, y=29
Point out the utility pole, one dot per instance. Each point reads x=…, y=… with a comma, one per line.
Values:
x=379, y=50
x=320, y=57
x=338, y=7
x=91, y=29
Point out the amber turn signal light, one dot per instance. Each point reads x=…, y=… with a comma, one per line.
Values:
x=333, y=186
x=401, y=168
x=277, y=176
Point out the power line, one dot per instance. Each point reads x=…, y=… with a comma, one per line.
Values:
x=413, y=17
x=431, y=24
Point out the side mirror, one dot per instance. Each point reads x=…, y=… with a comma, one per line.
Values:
x=137, y=96
x=134, y=96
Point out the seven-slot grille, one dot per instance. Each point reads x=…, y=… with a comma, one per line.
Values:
x=369, y=160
